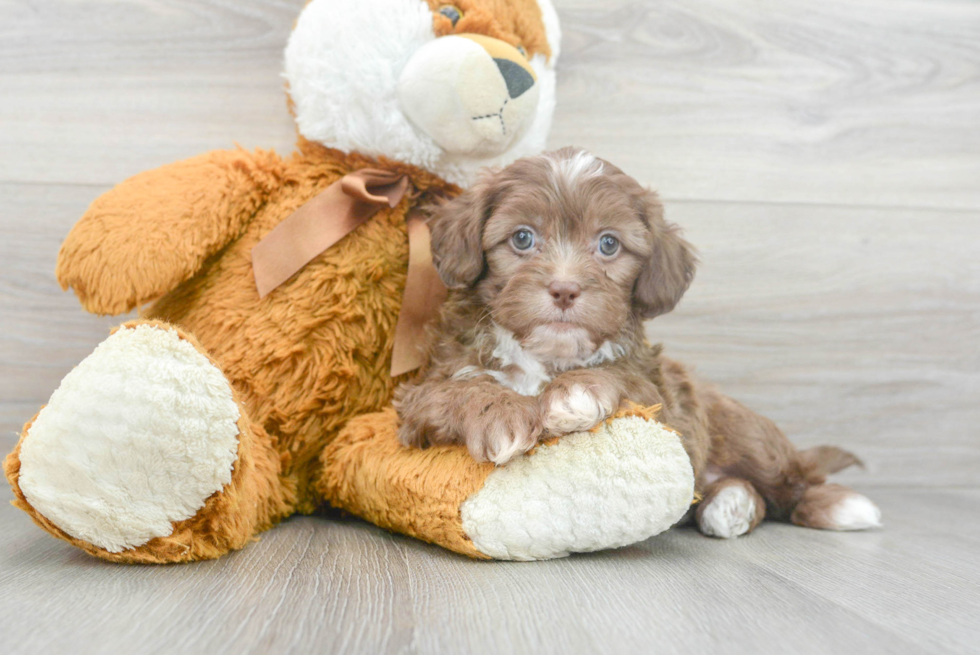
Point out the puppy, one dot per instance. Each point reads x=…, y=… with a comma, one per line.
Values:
x=553, y=264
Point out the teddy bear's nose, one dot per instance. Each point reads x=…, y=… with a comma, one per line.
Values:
x=517, y=79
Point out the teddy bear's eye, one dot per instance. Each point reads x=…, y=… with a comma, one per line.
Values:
x=521, y=50
x=452, y=13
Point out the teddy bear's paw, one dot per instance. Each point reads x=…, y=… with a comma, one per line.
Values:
x=135, y=439
x=587, y=491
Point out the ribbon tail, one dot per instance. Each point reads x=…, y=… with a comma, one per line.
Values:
x=424, y=293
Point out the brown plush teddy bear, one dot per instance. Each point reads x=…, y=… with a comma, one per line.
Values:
x=270, y=293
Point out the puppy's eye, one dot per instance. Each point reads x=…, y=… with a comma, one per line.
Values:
x=452, y=13
x=608, y=245
x=522, y=239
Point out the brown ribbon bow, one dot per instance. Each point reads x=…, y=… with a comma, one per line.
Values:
x=332, y=215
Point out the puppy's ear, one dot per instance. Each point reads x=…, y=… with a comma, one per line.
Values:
x=669, y=271
x=457, y=234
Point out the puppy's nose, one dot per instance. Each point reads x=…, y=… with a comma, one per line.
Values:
x=564, y=293
x=517, y=79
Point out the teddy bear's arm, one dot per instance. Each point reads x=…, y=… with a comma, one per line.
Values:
x=155, y=230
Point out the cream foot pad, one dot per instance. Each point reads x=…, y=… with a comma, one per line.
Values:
x=589, y=491
x=136, y=438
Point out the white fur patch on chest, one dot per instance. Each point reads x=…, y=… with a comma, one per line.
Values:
x=527, y=375
x=530, y=377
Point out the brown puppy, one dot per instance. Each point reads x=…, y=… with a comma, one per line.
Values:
x=553, y=263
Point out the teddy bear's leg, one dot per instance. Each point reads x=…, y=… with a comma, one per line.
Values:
x=628, y=479
x=144, y=454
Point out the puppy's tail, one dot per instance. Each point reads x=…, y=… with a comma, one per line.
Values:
x=832, y=506
x=820, y=461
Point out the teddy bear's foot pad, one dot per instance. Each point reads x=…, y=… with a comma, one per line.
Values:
x=624, y=482
x=137, y=437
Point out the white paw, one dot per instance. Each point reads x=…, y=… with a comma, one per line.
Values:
x=855, y=512
x=577, y=411
x=505, y=446
x=136, y=438
x=500, y=433
x=502, y=440
x=729, y=514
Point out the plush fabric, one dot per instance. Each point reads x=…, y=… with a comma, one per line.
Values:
x=541, y=506
x=220, y=412
x=547, y=505
x=145, y=409
x=344, y=60
x=316, y=351
x=368, y=473
x=303, y=360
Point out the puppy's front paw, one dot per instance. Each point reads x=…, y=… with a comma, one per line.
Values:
x=498, y=430
x=412, y=433
x=574, y=409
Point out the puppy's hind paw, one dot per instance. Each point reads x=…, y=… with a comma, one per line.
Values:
x=730, y=512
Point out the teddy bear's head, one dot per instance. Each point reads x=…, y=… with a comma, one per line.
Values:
x=449, y=87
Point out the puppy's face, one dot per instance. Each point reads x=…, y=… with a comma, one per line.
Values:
x=565, y=250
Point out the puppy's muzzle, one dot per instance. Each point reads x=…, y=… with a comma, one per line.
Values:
x=472, y=94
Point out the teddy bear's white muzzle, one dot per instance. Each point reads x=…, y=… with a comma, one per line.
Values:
x=472, y=95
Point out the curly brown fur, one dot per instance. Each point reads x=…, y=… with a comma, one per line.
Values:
x=542, y=335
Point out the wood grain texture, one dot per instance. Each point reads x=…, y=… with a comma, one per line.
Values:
x=823, y=156
x=317, y=585
x=858, y=327
x=874, y=102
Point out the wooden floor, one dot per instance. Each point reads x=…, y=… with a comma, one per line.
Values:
x=824, y=155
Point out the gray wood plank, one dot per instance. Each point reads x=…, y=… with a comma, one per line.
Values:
x=874, y=102
x=859, y=327
x=870, y=102
x=343, y=586
x=96, y=92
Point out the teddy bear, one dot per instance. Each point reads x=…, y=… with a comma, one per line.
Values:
x=280, y=303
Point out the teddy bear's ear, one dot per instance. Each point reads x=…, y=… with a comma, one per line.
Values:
x=457, y=234
x=670, y=269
